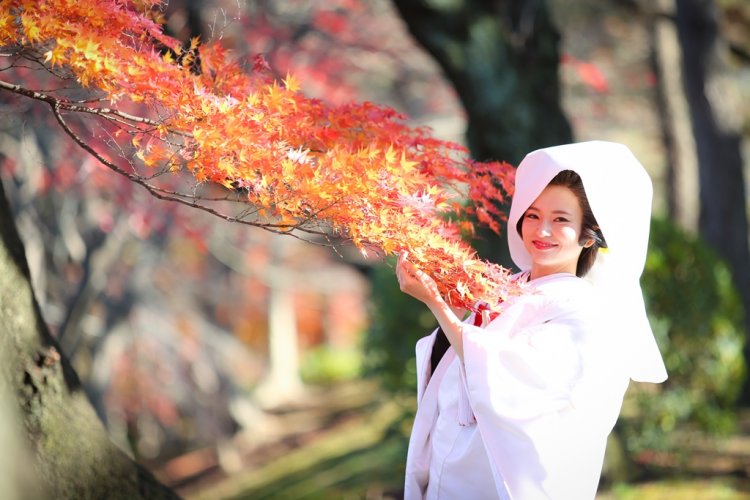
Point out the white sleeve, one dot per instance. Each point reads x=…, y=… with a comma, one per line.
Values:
x=525, y=374
x=519, y=371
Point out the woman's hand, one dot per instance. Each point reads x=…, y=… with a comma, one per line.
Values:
x=421, y=286
x=416, y=282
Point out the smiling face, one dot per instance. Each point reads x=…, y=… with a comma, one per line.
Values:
x=551, y=230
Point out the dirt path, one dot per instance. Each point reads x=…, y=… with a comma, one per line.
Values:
x=350, y=438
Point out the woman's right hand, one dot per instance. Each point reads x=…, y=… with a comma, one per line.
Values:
x=415, y=282
x=421, y=286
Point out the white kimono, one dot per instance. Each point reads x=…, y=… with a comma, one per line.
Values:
x=528, y=413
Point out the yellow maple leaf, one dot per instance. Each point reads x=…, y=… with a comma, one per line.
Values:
x=6, y=21
x=194, y=42
x=388, y=246
x=226, y=165
x=405, y=164
x=224, y=106
x=390, y=155
x=88, y=48
x=291, y=83
x=30, y=28
x=275, y=97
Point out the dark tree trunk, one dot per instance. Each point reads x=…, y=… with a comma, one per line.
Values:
x=681, y=187
x=71, y=455
x=723, y=212
x=502, y=57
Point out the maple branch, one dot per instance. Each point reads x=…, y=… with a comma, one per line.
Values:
x=130, y=120
x=183, y=199
x=370, y=180
x=110, y=114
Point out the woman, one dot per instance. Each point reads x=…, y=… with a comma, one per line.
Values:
x=520, y=406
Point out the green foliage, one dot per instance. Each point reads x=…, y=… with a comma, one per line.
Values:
x=696, y=315
x=325, y=365
x=711, y=488
x=397, y=322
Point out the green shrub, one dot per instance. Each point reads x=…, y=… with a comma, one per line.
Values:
x=696, y=315
x=397, y=321
x=324, y=365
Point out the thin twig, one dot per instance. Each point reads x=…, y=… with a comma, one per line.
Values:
x=163, y=194
x=108, y=113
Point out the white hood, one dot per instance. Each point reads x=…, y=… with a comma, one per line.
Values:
x=619, y=191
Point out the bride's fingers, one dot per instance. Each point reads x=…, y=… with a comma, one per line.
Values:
x=406, y=271
x=402, y=263
x=402, y=272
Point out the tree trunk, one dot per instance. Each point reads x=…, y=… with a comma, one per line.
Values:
x=502, y=58
x=723, y=212
x=71, y=455
x=674, y=117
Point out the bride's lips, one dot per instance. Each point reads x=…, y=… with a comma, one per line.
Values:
x=541, y=245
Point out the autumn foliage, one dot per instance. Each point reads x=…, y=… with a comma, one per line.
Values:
x=195, y=126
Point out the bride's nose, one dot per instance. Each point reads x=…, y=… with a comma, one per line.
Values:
x=544, y=229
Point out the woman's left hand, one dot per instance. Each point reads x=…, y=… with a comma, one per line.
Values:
x=416, y=282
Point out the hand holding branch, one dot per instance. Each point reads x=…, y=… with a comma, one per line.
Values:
x=421, y=286
x=415, y=282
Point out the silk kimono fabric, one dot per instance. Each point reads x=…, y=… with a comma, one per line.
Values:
x=528, y=412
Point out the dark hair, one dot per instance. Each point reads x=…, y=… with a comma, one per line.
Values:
x=589, y=227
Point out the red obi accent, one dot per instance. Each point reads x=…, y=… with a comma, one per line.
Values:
x=483, y=312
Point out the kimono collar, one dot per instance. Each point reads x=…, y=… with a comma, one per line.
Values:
x=619, y=191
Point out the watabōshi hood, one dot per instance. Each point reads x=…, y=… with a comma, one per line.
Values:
x=619, y=192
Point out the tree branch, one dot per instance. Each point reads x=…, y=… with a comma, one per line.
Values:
x=108, y=113
x=164, y=194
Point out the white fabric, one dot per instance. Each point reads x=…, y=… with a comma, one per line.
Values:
x=619, y=192
x=545, y=386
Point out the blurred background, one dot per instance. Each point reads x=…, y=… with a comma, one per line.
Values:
x=234, y=363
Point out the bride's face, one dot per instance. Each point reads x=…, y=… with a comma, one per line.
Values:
x=551, y=231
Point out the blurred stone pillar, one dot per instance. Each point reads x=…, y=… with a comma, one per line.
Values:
x=283, y=380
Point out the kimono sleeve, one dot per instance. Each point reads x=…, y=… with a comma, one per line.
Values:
x=525, y=363
x=534, y=378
